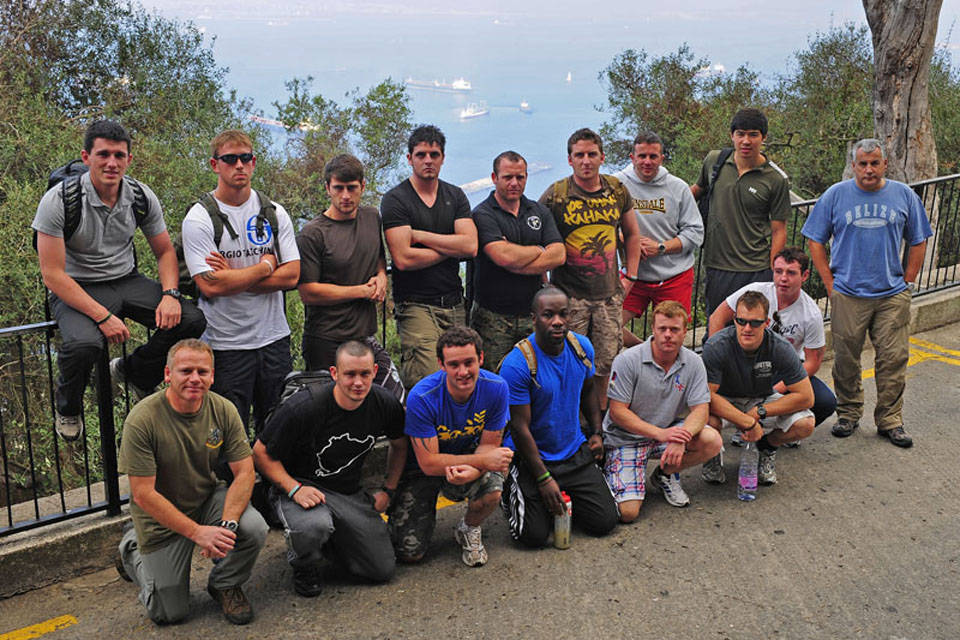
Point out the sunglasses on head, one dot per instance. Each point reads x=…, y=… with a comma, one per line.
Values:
x=231, y=158
x=756, y=324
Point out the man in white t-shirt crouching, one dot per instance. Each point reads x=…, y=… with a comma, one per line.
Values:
x=795, y=316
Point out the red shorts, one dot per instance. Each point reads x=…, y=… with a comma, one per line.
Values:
x=679, y=288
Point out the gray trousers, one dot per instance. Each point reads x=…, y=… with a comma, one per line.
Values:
x=164, y=575
x=347, y=525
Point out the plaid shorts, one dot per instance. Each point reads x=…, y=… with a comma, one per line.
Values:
x=625, y=468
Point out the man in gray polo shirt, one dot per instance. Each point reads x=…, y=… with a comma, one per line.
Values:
x=93, y=279
x=651, y=386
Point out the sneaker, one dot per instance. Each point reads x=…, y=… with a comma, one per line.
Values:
x=844, y=428
x=897, y=436
x=236, y=607
x=70, y=428
x=737, y=438
x=122, y=570
x=767, y=471
x=669, y=485
x=120, y=378
x=474, y=555
x=712, y=471
x=790, y=445
x=307, y=582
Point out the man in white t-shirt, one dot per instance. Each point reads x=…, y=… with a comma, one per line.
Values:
x=242, y=278
x=795, y=316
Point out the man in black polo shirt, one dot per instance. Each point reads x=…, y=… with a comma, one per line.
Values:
x=743, y=362
x=428, y=230
x=519, y=243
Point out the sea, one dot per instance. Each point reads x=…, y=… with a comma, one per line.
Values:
x=549, y=54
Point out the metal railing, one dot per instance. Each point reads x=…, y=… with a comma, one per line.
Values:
x=46, y=480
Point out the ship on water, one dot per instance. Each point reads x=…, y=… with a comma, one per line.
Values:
x=460, y=85
x=486, y=183
x=474, y=110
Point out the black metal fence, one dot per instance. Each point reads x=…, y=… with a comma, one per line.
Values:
x=45, y=480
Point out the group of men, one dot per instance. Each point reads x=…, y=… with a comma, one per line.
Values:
x=536, y=399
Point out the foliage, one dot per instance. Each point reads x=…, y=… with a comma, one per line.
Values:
x=945, y=111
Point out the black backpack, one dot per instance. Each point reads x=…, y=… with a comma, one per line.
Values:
x=296, y=381
x=267, y=215
x=704, y=203
x=68, y=177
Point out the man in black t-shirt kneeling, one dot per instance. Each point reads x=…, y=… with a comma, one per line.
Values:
x=312, y=449
x=743, y=362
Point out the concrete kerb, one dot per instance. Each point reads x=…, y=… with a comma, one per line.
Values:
x=34, y=559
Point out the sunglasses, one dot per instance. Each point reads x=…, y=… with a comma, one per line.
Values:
x=231, y=158
x=756, y=324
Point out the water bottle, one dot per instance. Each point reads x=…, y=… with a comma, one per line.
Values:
x=747, y=481
x=561, y=524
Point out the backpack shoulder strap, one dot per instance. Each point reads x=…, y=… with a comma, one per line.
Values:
x=561, y=189
x=526, y=348
x=217, y=217
x=72, y=193
x=616, y=185
x=574, y=342
x=141, y=205
x=268, y=212
x=721, y=159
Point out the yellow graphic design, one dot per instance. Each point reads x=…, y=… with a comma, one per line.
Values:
x=658, y=205
x=592, y=249
x=592, y=211
x=473, y=428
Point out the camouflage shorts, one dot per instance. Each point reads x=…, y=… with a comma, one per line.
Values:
x=413, y=512
x=600, y=321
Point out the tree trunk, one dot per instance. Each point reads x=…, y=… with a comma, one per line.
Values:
x=904, y=32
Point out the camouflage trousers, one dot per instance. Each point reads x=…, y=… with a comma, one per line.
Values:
x=499, y=332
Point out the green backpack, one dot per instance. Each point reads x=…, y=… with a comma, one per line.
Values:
x=267, y=215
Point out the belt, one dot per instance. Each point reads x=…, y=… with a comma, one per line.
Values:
x=448, y=301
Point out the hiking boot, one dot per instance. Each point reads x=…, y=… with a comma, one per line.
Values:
x=669, y=485
x=712, y=470
x=474, y=555
x=736, y=439
x=767, y=471
x=70, y=428
x=236, y=607
x=307, y=582
x=120, y=378
x=844, y=428
x=897, y=436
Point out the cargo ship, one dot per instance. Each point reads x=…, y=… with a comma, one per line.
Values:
x=460, y=85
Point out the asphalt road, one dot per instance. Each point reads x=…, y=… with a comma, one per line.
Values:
x=858, y=540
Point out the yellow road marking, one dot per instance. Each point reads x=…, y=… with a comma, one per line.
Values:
x=917, y=356
x=40, y=629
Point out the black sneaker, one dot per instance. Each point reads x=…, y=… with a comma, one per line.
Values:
x=307, y=582
x=897, y=436
x=236, y=607
x=844, y=428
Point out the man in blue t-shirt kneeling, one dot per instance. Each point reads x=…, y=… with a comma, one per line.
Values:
x=455, y=420
x=548, y=389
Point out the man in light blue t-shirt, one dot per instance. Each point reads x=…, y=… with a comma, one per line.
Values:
x=549, y=386
x=455, y=420
x=868, y=219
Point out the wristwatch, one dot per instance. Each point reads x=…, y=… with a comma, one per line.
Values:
x=661, y=249
x=230, y=525
x=173, y=293
x=761, y=412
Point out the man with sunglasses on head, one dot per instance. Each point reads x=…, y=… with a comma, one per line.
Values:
x=429, y=230
x=241, y=279
x=743, y=362
x=795, y=316
x=91, y=272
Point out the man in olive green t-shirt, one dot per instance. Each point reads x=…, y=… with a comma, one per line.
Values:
x=749, y=209
x=171, y=443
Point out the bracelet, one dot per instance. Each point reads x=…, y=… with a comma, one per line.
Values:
x=390, y=492
x=546, y=476
x=294, y=490
x=108, y=316
x=624, y=274
x=267, y=262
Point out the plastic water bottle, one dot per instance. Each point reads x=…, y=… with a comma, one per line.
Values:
x=561, y=524
x=747, y=481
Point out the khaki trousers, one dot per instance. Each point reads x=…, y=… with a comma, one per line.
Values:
x=419, y=327
x=887, y=320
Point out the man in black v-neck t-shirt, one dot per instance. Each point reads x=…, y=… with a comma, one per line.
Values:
x=428, y=229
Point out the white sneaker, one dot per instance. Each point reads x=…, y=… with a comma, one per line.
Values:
x=767, y=471
x=474, y=555
x=737, y=438
x=70, y=428
x=669, y=485
x=120, y=377
x=712, y=471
